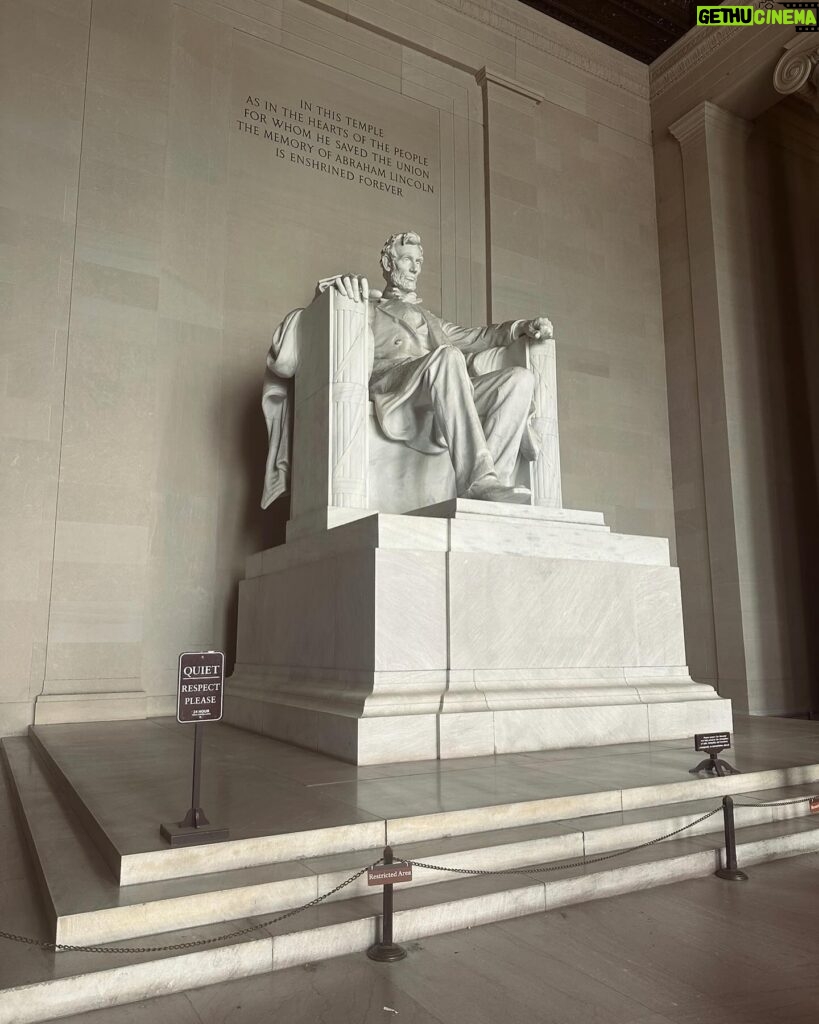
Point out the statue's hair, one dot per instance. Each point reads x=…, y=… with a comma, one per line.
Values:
x=402, y=238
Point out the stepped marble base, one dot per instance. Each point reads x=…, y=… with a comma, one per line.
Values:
x=464, y=629
x=420, y=737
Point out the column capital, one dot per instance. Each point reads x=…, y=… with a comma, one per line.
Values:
x=797, y=71
x=486, y=76
x=692, y=126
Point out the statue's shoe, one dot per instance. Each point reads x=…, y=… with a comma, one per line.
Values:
x=493, y=490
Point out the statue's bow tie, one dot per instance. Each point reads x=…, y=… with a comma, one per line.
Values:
x=409, y=297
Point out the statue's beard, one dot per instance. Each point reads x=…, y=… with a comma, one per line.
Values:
x=402, y=281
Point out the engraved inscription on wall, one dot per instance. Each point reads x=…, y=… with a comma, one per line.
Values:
x=336, y=143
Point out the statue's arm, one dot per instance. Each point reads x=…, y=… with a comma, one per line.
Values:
x=479, y=339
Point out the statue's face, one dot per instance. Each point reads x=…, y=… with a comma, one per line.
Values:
x=405, y=267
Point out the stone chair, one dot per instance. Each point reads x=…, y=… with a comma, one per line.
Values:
x=343, y=465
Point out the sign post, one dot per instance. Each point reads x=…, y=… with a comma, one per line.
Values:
x=199, y=696
x=387, y=874
x=713, y=743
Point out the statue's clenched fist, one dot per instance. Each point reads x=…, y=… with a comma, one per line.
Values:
x=535, y=330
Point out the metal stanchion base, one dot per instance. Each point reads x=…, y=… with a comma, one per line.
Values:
x=386, y=954
x=715, y=764
x=731, y=874
x=185, y=835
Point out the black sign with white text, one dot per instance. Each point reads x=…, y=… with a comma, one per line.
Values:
x=707, y=741
x=201, y=686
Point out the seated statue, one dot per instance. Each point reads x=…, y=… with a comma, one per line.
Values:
x=434, y=385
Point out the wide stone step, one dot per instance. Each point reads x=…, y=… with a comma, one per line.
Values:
x=86, y=906
x=86, y=981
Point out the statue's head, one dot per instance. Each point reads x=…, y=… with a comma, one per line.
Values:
x=401, y=258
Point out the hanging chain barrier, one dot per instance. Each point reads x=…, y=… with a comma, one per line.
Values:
x=62, y=947
x=564, y=865
x=782, y=803
x=583, y=862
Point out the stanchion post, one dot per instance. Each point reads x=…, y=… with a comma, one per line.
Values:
x=386, y=951
x=730, y=872
x=195, y=818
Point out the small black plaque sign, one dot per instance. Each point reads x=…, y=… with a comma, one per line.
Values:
x=707, y=741
x=388, y=874
x=201, y=686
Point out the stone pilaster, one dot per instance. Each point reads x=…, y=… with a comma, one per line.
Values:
x=713, y=144
x=742, y=479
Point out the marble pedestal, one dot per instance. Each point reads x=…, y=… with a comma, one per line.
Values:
x=463, y=629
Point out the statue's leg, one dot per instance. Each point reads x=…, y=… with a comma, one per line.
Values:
x=503, y=400
x=453, y=405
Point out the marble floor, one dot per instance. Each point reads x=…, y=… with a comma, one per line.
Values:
x=695, y=952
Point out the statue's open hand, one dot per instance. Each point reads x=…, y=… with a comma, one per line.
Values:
x=536, y=330
x=351, y=286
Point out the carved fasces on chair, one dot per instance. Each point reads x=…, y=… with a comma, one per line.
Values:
x=545, y=470
x=539, y=357
x=330, y=447
x=350, y=372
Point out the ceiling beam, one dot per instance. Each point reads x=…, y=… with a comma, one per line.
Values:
x=641, y=28
x=623, y=33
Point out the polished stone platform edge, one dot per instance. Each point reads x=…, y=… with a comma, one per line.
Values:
x=166, y=862
x=160, y=862
x=79, y=807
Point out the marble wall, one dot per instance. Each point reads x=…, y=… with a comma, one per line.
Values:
x=43, y=55
x=155, y=236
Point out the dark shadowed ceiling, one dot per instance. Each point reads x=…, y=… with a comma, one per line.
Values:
x=641, y=28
